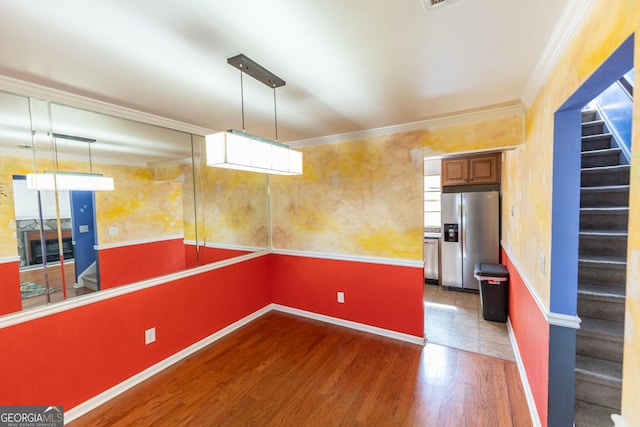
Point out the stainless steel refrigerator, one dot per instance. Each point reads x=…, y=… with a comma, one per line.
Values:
x=470, y=234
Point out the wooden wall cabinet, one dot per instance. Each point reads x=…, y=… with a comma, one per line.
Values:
x=468, y=170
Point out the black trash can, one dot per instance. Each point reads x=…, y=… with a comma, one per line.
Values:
x=494, y=290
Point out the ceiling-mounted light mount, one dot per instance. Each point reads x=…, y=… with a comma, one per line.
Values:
x=255, y=70
x=239, y=150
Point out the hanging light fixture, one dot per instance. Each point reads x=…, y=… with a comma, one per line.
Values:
x=70, y=181
x=234, y=149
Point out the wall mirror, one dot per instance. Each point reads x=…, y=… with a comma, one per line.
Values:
x=167, y=212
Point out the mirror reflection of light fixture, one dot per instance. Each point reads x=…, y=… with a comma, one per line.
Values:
x=233, y=149
x=70, y=181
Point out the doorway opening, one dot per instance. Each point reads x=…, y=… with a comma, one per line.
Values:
x=572, y=265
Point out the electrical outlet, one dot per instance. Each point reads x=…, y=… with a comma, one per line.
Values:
x=541, y=263
x=149, y=336
x=113, y=230
x=341, y=297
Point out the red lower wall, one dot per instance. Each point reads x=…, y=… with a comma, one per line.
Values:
x=531, y=331
x=131, y=263
x=208, y=255
x=385, y=296
x=10, y=299
x=69, y=357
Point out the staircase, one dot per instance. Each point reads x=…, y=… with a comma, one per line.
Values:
x=604, y=217
x=91, y=281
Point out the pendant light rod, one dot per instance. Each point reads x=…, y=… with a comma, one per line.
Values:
x=275, y=112
x=242, y=97
x=90, y=161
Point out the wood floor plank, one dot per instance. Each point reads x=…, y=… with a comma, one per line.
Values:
x=286, y=370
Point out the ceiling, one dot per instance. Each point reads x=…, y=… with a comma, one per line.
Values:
x=350, y=66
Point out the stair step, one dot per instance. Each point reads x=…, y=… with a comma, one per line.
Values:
x=600, y=338
x=596, y=158
x=599, y=381
x=595, y=127
x=593, y=307
x=590, y=415
x=596, y=142
x=601, y=243
x=601, y=196
x=610, y=271
x=605, y=175
x=602, y=292
x=601, y=302
x=589, y=115
x=616, y=218
x=91, y=281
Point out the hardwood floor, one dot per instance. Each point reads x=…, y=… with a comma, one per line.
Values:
x=285, y=370
x=36, y=275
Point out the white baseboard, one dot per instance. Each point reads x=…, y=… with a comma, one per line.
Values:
x=114, y=391
x=352, y=325
x=533, y=411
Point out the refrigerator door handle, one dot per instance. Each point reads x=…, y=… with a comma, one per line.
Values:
x=463, y=231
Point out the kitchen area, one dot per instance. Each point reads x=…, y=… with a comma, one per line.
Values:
x=462, y=228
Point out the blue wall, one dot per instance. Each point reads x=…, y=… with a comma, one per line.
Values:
x=83, y=215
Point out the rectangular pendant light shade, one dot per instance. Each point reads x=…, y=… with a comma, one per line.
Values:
x=234, y=149
x=69, y=181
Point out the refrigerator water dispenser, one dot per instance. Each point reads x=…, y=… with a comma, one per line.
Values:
x=450, y=232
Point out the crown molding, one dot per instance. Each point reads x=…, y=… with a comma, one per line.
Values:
x=574, y=13
x=20, y=87
x=514, y=108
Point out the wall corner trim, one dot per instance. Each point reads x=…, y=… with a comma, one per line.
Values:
x=573, y=15
x=72, y=303
x=139, y=242
x=352, y=258
x=8, y=259
x=25, y=88
x=556, y=319
x=511, y=109
x=225, y=246
x=351, y=325
x=531, y=403
x=619, y=421
x=564, y=320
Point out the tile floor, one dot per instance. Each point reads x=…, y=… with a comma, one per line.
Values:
x=454, y=319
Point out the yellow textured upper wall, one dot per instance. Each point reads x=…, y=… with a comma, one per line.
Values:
x=139, y=207
x=366, y=197
x=235, y=207
x=10, y=166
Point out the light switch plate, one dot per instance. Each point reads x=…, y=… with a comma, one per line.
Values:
x=341, y=297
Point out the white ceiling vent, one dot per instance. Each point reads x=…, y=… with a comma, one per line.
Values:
x=432, y=4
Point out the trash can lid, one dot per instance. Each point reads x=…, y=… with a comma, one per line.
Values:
x=487, y=269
